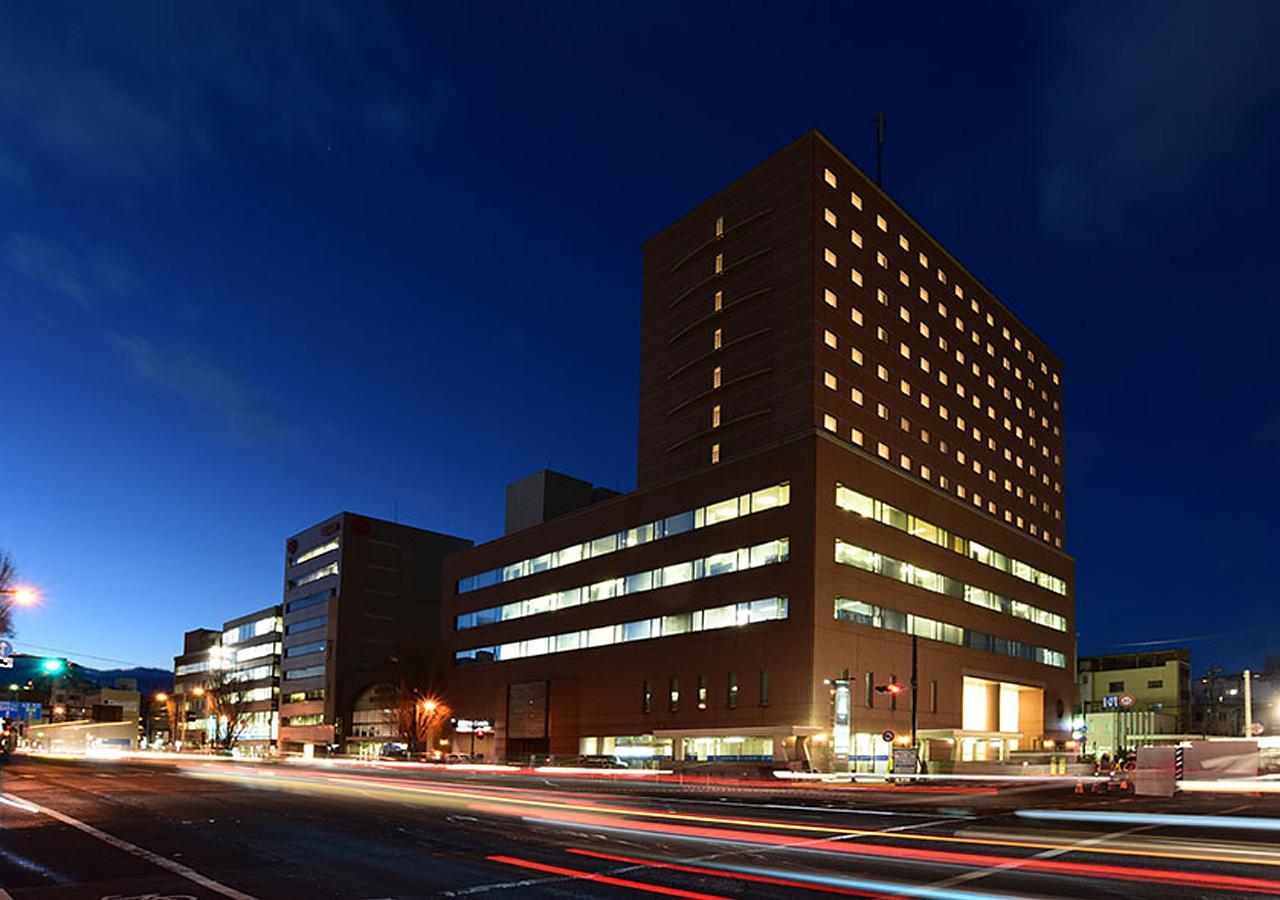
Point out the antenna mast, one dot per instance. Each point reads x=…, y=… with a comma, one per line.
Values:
x=879, y=149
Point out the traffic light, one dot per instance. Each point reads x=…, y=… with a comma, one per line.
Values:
x=52, y=665
x=891, y=688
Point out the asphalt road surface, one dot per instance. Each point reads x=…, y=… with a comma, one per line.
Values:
x=205, y=829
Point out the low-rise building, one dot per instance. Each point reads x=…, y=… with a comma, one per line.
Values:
x=1219, y=707
x=1156, y=682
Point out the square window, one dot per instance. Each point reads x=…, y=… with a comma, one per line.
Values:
x=829, y=339
x=829, y=177
x=856, y=239
x=829, y=217
x=856, y=396
x=829, y=296
x=882, y=450
x=882, y=224
x=829, y=422
x=829, y=380
x=903, y=242
x=856, y=315
x=856, y=436
x=828, y=257
x=855, y=200
x=856, y=276
x=856, y=355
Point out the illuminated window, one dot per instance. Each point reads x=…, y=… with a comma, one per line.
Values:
x=882, y=373
x=904, y=314
x=905, y=462
x=882, y=411
x=716, y=339
x=924, y=260
x=904, y=277
x=856, y=315
x=856, y=238
x=856, y=436
x=829, y=380
x=715, y=377
x=903, y=242
x=855, y=200
x=829, y=422
x=715, y=416
x=856, y=355
x=882, y=224
x=856, y=276
x=829, y=257
x=719, y=263
x=882, y=450
x=829, y=217
x=905, y=387
x=856, y=396
x=904, y=351
x=715, y=453
x=925, y=473
x=881, y=260
x=720, y=226
x=829, y=296
x=829, y=177
x=882, y=296
x=829, y=339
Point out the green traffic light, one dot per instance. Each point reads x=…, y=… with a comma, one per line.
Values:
x=52, y=666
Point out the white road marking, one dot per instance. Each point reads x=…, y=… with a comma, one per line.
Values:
x=134, y=850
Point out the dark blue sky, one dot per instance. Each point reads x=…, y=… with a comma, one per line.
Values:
x=263, y=262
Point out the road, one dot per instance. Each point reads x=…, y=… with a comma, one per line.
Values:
x=205, y=829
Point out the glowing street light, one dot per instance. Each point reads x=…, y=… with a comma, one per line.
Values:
x=162, y=697
x=430, y=706
x=21, y=595
x=197, y=691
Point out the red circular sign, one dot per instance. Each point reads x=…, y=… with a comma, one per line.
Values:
x=1126, y=700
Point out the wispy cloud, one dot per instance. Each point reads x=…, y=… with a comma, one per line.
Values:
x=213, y=389
x=142, y=90
x=1142, y=102
x=47, y=264
x=75, y=273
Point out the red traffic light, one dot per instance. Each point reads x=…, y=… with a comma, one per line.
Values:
x=890, y=688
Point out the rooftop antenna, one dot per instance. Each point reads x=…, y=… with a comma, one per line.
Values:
x=879, y=149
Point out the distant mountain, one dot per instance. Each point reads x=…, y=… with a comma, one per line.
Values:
x=149, y=680
x=27, y=667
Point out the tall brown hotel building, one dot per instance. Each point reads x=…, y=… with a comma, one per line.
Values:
x=845, y=440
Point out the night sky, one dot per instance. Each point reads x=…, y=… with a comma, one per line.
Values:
x=260, y=263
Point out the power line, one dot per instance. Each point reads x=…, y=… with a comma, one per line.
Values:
x=78, y=655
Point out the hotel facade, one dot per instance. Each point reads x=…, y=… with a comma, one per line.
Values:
x=845, y=442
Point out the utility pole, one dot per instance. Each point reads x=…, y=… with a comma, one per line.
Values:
x=915, y=685
x=1248, y=703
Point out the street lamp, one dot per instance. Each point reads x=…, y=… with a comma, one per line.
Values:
x=22, y=596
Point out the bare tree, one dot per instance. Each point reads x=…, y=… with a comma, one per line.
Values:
x=229, y=706
x=8, y=574
x=419, y=715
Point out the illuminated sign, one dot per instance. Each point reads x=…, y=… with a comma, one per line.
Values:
x=841, y=732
